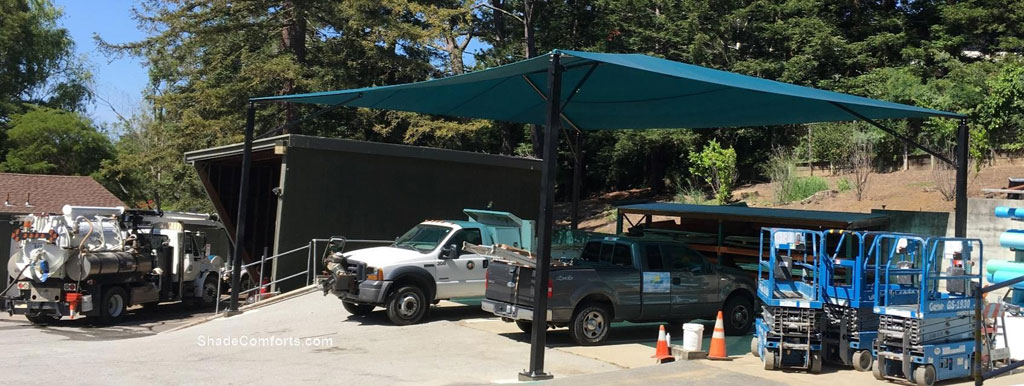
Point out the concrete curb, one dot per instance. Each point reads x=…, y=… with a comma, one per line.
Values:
x=276, y=299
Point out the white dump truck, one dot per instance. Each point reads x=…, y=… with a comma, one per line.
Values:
x=97, y=261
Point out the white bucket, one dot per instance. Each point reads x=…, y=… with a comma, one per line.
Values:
x=693, y=336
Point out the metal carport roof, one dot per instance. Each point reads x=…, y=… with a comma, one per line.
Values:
x=789, y=217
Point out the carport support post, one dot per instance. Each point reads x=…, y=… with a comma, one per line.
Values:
x=577, y=180
x=545, y=226
x=243, y=204
x=962, y=155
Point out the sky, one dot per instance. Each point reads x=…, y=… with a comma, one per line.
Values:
x=118, y=81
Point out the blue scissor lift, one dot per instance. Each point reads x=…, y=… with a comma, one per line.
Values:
x=788, y=333
x=926, y=311
x=848, y=280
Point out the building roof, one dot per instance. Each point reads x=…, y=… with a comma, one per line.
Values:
x=363, y=147
x=48, y=193
x=780, y=217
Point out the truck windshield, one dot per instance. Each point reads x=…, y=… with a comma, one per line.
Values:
x=423, y=238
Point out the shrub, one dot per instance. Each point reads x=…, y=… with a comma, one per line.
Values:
x=781, y=168
x=844, y=185
x=691, y=195
x=716, y=166
x=803, y=187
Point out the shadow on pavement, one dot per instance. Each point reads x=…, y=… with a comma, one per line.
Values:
x=137, y=322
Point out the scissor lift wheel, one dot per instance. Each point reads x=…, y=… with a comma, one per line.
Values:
x=924, y=375
x=862, y=360
x=769, y=360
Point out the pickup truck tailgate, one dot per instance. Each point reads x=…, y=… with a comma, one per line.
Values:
x=510, y=283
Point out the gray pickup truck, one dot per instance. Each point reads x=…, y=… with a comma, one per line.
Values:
x=622, y=278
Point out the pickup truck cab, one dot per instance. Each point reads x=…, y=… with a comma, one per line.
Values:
x=423, y=266
x=624, y=279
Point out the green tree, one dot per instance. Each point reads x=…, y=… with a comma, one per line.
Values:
x=50, y=141
x=148, y=163
x=1002, y=112
x=36, y=59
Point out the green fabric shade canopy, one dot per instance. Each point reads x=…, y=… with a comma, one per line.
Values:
x=598, y=91
x=618, y=91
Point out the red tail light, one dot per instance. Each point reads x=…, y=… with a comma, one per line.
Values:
x=551, y=285
x=487, y=278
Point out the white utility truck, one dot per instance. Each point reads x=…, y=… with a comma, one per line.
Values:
x=423, y=266
x=97, y=261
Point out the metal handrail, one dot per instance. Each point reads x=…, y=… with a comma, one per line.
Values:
x=310, y=250
x=979, y=376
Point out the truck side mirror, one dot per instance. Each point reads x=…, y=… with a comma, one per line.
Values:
x=451, y=253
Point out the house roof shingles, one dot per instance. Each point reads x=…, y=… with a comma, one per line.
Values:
x=48, y=194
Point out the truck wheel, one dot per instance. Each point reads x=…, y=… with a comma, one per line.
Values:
x=738, y=315
x=753, y=347
x=815, y=364
x=41, y=319
x=357, y=309
x=114, y=305
x=208, y=294
x=924, y=375
x=525, y=326
x=862, y=360
x=407, y=305
x=590, y=325
x=877, y=371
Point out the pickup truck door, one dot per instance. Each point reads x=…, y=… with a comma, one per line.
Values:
x=463, y=276
x=656, y=285
x=694, y=284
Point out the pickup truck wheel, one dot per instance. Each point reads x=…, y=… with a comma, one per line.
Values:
x=590, y=325
x=114, y=305
x=524, y=326
x=738, y=315
x=407, y=305
x=357, y=309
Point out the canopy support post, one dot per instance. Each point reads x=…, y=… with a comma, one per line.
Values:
x=577, y=180
x=243, y=204
x=545, y=227
x=962, y=156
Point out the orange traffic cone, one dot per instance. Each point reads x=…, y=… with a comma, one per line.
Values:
x=72, y=299
x=717, y=350
x=662, y=353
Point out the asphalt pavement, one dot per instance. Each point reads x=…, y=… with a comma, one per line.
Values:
x=311, y=339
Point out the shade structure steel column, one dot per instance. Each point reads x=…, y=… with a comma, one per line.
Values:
x=545, y=226
x=577, y=180
x=962, y=155
x=243, y=205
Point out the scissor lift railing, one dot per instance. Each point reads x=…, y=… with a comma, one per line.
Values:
x=925, y=314
x=789, y=287
x=847, y=276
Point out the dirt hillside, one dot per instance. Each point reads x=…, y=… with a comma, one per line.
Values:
x=904, y=190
